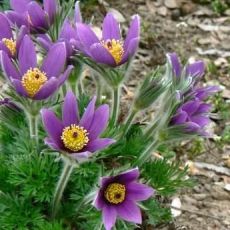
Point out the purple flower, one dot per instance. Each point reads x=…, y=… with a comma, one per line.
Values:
x=68, y=34
x=79, y=137
x=8, y=42
x=193, y=115
x=28, y=78
x=194, y=70
x=118, y=195
x=31, y=14
x=7, y=102
x=110, y=50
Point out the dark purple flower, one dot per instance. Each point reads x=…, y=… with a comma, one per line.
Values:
x=79, y=137
x=28, y=78
x=193, y=115
x=68, y=34
x=33, y=15
x=8, y=102
x=194, y=70
x=110, y=49
x=118, y=195
x=8, y=42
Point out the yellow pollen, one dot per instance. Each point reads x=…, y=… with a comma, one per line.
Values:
x=33, y=80
x=74, y=137
x=10, y=44
x=115, y=47
x=115, y=193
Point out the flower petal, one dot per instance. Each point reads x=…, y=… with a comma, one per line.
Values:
x=101, y=54
x=179, y=118
x=129, y=211
x=67, y=31
x=70, y=110
x=8, y=67
x=62, y=78
x=27, y=55
x=192, y=127
x=19, y=5
x=109, y=214
x=175, y=63
x=52, y=144
x=45, y=41
x=190, y=107
x=99, y=202
x=19, y=87
x=196, y=69
x=133, y=32
x=200, y=120
x=132, y=48
x=47, y=89
x=53, y=126
x=88, y=115
x=128, y=176
x=5, y=31
x=22, y=32
x=99, y=123
x=37, y=16
x=5, y=49
x=139, y=192
x=86, y=36
x=17, y=18
x=55, y=60
x=110, y=28
x=98, y=144
x=50, y=6
x=204, y=108
x=81, y=156
x=77, y=13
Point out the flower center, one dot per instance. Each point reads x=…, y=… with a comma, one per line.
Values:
x=74, y=137
x=115, y=193
x=115, y=47
x=33, y=80
x=10, y=44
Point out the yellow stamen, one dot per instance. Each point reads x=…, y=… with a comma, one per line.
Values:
x=10, y=44
x=33, y=80
x=74, y=137
x=115, y=47
x=115, y=193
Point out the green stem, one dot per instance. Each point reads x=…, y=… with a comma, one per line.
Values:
x=115, y=105
x=128, y=122
x=33, y=127
x=66, y=172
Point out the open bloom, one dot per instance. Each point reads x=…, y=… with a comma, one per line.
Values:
x=8, y=42
x=68, y=34
x=31, y=80
x=33, y=15
x=79, y=137
x=110, y=49
x=118, y=195
x=192, y=112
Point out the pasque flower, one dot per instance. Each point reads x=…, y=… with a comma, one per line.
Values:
x=78, y=137
x=110, y=49
x=8, y=42
x=192, y=112
x=31, y=80
x=118, y=195
x=33, y=15
x=68, y=34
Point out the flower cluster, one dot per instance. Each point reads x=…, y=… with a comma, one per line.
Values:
x=37, y=45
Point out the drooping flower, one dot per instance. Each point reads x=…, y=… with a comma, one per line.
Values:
x=38, y=18
x=78, y=137
x=118, y=195
x=68, y=34
x=8, y=42
x=110, y=49
x=192, y=112
x=31, y=80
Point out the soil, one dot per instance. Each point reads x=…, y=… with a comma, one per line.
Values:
x=194, y=31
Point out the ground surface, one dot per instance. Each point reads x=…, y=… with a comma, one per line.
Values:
x=193, y=31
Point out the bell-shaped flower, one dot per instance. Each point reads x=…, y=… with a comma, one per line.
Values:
x=78, y=137
x=31, y=80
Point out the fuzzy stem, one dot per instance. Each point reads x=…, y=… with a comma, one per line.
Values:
x=115, y=105
x=128, y=122
x=33, y=127
x=64, y=178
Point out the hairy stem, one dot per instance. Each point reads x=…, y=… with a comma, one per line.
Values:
x=33, y=127
x=63, y=180
x=115, y=105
